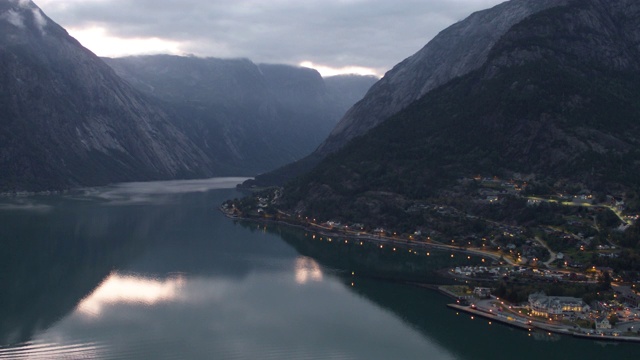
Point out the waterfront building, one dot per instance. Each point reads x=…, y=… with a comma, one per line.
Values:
x=555, y=306
x=481, y=292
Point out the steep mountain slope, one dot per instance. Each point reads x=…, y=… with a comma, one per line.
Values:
x=454, y=52
x=556, y=100
x=255, y=117
x=66, y=118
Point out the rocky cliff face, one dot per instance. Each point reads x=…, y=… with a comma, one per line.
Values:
x=454, y=52
x=67, y=119
x=250, y=117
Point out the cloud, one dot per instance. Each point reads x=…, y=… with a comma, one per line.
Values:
x=14, y=18
x=25, y=4
x=326, y=71
x=372, y=34
x=100, y=42
x=39, y=19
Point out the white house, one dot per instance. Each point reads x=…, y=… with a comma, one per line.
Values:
x=602, y=323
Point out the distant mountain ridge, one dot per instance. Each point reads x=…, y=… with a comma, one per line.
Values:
x=254, y=116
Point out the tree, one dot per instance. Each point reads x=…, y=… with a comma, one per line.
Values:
x=605, y=282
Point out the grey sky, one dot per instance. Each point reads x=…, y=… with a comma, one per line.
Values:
x=371, y=34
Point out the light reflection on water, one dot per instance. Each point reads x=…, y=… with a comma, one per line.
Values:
x=131, y=289
x=262, y=316
x=307, y=269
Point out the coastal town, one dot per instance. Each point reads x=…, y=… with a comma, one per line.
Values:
x=564, y=271
x=616, y=320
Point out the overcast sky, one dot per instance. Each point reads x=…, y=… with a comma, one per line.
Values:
x=331, y=35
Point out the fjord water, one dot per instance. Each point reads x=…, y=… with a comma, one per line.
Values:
x=154, y=271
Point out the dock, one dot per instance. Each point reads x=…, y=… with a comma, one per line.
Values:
x=507, y=320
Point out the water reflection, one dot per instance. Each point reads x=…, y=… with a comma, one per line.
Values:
x=50, y=260
x=53, y=350
x=95, y=281
x=131, y=289
x=172, y=278
x=370, y=259
x=357, y=268
x=306, y=270
x=57, y=249
x=266, y=315
x=23, y=204
x=155, y=192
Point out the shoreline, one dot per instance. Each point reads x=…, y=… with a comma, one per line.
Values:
x=372, y=238
x=534, y=325
x=507, y=321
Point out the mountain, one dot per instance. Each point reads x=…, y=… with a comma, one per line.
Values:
x=454, y=52
x=254, y=116
x=66, y=118
x=554, y=103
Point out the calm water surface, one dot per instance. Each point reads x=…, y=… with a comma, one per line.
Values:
x=154, y=271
